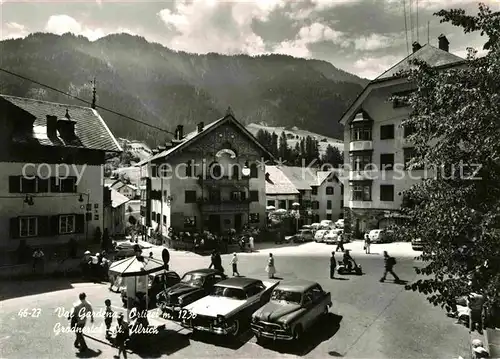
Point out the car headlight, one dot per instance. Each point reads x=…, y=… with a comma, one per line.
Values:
x=285, y=326
x=220, y=319
x=255, y=319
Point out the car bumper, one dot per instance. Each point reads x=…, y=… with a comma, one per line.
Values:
x=210, y=329
x=271, y=334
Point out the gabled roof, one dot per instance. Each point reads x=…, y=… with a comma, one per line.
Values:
x=117, y=199
x=321, y=177
x=90, y=129
x=434, y=56
x=195, y=135
x=277, y=183
x=301, y=177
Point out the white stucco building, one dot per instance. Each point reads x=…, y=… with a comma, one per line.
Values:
x=375, y=146
x=51, y=171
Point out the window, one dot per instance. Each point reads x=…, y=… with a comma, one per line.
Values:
x=361, y=161
x=67, y=224
x=214, y=196
x=387, y=161
x=361, y=191
x=254, y=196
x=329, y=190
x=408, y=130
x=314, y=190
x=158, y=218
x=253, y=218
x=282, y=204
x=154, y=171
x=190, y=196
x=307, y=204
x=290, y=203
x=164, y=220
x=409, y=154
x=153, y=216
x=329, y=204
x=315, y=204
x=387, y=192
x=271, y=202
x=361, y=133
x=28, y=227
x=28, y=185
x=67, y=185
x=397, y=103
x=386, y=132
x=190, y=222
x=254, y=171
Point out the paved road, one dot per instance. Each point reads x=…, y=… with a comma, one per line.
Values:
x=368, y=319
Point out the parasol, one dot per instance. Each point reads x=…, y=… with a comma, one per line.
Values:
x=280, y=211
x=270, y=208
x=136, y=266
x=295, y=204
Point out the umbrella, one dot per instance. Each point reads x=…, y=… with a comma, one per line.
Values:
x=270, y=208
x=295, y=204
x=136, y=266
x=281, y=210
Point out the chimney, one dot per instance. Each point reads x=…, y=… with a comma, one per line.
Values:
x=201, y=126
x=180, y=132
x=66, y=127
x=416, y=46
x=444, y=44
x=51, y=126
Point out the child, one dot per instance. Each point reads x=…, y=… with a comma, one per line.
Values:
x=108, y=318
x=122, y=336
x=234, y=262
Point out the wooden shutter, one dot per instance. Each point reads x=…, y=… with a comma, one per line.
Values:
x=43, y=185
x=14, y=184
x=254, y=196
x=79, y=223
x=14, y=227
x=54, y=225
x=43, y=226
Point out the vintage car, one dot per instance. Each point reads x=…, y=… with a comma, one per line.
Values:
x=157, y=282
x=294, y=307
x=193, y=285
x=332, y=236
x=126, y=249
x=320, y=235
x=229, y=307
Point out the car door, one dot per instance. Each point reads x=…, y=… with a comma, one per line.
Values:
x=308, y=303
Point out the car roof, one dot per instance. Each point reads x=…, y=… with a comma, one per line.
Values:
x=238, y=282
x=203, y=271
x=169, y=273
x=298, y=285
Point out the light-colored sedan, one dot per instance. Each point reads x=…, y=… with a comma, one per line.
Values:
x=319, y=235
x=332, y=236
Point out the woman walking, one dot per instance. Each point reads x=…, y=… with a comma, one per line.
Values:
x=234, y=263
x=367, y=243
x=271, y=269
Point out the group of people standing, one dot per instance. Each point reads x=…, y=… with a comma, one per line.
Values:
x=216, y=263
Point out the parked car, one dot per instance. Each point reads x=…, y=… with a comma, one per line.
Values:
x=294, y=307
x=304, y=235
x=380, y=235
x=332, y=236
x=157, y=282
x=126, y=249
x=319, y=235
x=327, y=224
x=193, y=285
x=229, y=307
x=339, y=224
x=316, y=226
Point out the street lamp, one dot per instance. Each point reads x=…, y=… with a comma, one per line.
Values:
x=246, y=170
x=169, y=200
x=80, y=199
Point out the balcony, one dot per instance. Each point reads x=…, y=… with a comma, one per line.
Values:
x=361, y=146
x=223, y=181
x=356, y=175
x=224, y=205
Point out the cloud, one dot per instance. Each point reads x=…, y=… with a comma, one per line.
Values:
x=374, y=42
x=372, y=67
x=317, y=32
x=13, y=30
x=204, y=26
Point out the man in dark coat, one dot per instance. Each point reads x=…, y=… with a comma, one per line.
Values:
x=389, y=263
x=216, y=261
x=165, y=255
x=333, y=266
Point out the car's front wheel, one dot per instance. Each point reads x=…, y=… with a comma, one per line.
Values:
x=235, y=328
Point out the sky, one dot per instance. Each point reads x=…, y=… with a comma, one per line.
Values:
x=363, y=37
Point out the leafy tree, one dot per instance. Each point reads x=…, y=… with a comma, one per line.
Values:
x=333, y=156
x=283, y=148
x=456, y=211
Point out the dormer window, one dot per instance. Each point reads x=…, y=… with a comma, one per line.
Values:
x=361, y=127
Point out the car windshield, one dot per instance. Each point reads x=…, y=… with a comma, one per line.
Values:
x=280, y=295
x=194, y=279
x=233, y=293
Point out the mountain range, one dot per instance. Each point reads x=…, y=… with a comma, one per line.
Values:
x=153, y=84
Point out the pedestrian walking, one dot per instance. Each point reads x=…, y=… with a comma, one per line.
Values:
x=122, y=336
x=475, y=302
x=108, y=317
x=340, y=245
x=389, y=263
x=165, y=256
x=234, y=263
x=38, y=258
x=333, y=265
x=367, y=243
x=216, y=261
x=270, y=268
x=81, y=310
x=251, y=244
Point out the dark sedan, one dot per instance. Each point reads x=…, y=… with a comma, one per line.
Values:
x=193, y=285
